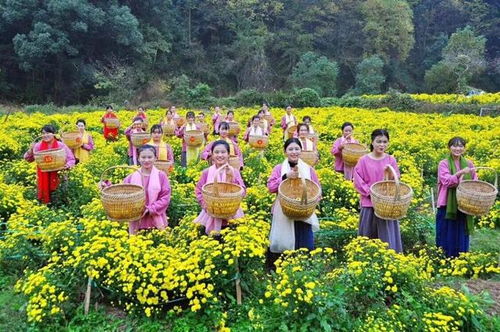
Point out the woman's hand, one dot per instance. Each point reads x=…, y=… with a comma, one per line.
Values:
x=466, y=170
x=293, y=174
x=387, y=168
x=146, y=211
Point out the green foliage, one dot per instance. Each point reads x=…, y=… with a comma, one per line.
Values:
x=317, y=73
x=441, y=79
x=306, y=97
x=369, y=75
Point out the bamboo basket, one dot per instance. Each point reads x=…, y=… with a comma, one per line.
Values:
x=298, y=198
x=203, y=127
x=168, y=129
x=234, y=128
x=165, y=166
x=194, y=137
x=291, y=130
x=262, y=125
x=313, y=137
x=390, y=198
x=222, y=199
x=139, y=139
x=179, y=122
x=73, y=140
x=475, y=197
x=352, y=152
x=112, y=123
x=258, y=142
x=123, y=202
x=50, y=160
x=234, y=161
x=269, y=118
x=309, y=157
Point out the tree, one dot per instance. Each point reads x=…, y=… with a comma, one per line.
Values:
x=316, y=72
x=369, y=75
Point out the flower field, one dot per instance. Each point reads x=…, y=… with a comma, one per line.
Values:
x=187, y=281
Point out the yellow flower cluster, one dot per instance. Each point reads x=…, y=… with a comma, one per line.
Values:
x=485, y=98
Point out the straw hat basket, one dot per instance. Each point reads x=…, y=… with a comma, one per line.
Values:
x=179, y=122
x=258, y=142
x=123, y=202
x=165, y=166
x=352, y=152
x=139, y=139
x=112, y=123
x=298, y=198
x=234, y=161
x=50, y=160
x=234, y=128
x=222, y=198
x=476, y=197
x=73, y=140
x=193, y=137
x=168, y=129
x=291, y=130
x=309, y=157
x=390, y=198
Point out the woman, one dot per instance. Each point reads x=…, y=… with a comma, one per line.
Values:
x=370, y=169
x=157, y=188
x=265, y=107
x=303, y=135
x=234, y=150
x=189, y=153
x=263, y=122
x=47, y=182
x=452, y=226
x=307, y=120
x=136, y=127
x=230, y=118
x=338, y=146
x=82, y=153
x=220, y=157
x=287, y=234
x=168, y=120
x=201, y=122
x=110, y=134
x=255, y=129
x=163, y=150
x=216, y=119
x=288, y=120
x=141, y=113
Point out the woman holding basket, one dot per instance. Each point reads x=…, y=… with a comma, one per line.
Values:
x=163, y=150
x=338, y=146
x=110, y=132
x=137, y=126
x=287, y=121
x=370, y=169
x=221, y=170
x=47, y=182
x=234, y=150
x=189, y=153
x=82, y=153
x=452, y=226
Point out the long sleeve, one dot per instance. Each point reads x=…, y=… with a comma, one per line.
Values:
x=273, y=182
x=239, y=181
x=199, y=185
x=314, y=177
x=207, y=152
x=245, y=136
x=446, y=179
x=70, y=157
x=90, y=145
x=336, y=148
x=283, y=123
x=359, y=178
x=29, y=156
x=161, y=204
x=179, y=132
x=394, y=164
x=170, y=153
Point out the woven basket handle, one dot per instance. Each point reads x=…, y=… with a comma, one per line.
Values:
x=303, y=199
x=216, y=181
x=119, y=166
x=396, y=180
x=491, y=169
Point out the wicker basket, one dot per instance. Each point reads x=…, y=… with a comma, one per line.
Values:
x=194, y=137
x=234, y=128
x=234, y=161
x=222, y=199
x=112, y=123
x=139, y=139
x=262, y=125
x=168, y=129
x=309, y=157
x=352, y=152
x=269, y=118
x=313, y=137
x=390, y=198
x=50, y=160
x=298, y=198
x=291, y=130
x=204, y=127
x=258, y=142
x=123, y=202
x=179, y=122
x=165, y=166
x=476, y=197
x=72, y=140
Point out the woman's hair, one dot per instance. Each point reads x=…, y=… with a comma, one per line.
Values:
x=302, y=125
x=376, y=133
x=141, y=108
x=290, y=141
x=261, y=111
x=109, y=107
x=224, y=125
x=347, y=124
x=156, y=127
x=138, y=118
x=220, y=142
x=255, y=117
x=201, y=114
x=288, y=106
x=146, y=147
x=168, y=111
x=49, y=129
x=230, y=112
x=190, y=114
x=457, y=140
x=82, y=121
x=307, y=117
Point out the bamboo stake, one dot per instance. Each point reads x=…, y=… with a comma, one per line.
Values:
x=432, y=200
x=87, y=296
x=238, y=284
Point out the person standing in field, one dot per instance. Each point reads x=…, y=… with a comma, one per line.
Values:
x=82, y=153
x=110, y=132
x=347, y=137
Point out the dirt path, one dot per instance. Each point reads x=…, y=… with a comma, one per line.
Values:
x=492, y=287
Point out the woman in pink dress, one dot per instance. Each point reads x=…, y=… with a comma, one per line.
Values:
x=189, y=154
x=254, y=129
x=137, y=126
x=338, y=146
x=221, y=170
x=370, y=169
x=234, y=149
x=217, y=118
x=287, y=120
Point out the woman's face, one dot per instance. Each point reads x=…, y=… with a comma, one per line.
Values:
x=307, y=121
x=190, y=119
x=293, y=152
x=141, y=109
x=457, y=150
x=303, y=132
x=223, y=132
x=80, y=126
x=230, y=116
x=137, y=125
x=147, y=158
x=217, y=109
x=169, y=115
x=347, y=131
x=220, y=155
x=47, y=137
x=173, y=109
x=380, y=144
x=256, y=122
x=289, y=110
x=157, y=134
